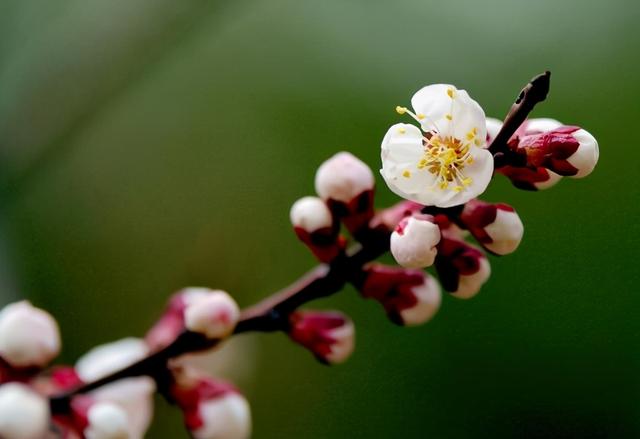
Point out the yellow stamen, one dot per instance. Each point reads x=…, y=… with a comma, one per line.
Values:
x=401, y=110
x=420, y=116
x=450, y=92
x=448, y=116
x=402, y=130
x=406, y=173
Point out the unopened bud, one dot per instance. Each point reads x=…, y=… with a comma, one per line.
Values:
x=496, y=226
x=214, y=315
x=311, y=214
x=329, y=335
x=212, y=409
x=461, y=267
x=29, y=336
x=107, y=421
x=23, y=413
x=410, y=297
x=343, y=178
x=414, y=240
x=567, y=150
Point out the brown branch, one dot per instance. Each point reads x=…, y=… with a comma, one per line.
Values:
x=534, y=92
x=272, y=314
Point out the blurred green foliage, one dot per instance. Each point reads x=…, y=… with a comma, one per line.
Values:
x=146, y=145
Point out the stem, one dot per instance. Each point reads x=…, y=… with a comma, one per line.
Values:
x=271, y=314
x=534, y=92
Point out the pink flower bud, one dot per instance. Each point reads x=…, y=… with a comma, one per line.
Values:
x=29, y=336
x=461, y=267
x=23, y=413
x=315, y=225
x=496, y=226
x=567, y=150
x=410, y=297
x=343, y=178
x=171, y=324
x=329, y=335
x=414, y=240
x=346, y=184
x=214, y=315
x=311, y=214
x=212, y=409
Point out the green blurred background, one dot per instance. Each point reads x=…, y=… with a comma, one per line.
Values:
x=146, y=145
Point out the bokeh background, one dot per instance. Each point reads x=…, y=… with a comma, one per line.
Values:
x=146, y=145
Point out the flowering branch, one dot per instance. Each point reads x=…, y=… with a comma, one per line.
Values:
x=440, y=167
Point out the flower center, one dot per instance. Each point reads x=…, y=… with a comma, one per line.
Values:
x=446, y=157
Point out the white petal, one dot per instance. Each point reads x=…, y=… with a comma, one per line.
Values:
x=429, y=299
x=107, y=421
x=343, y=346
x=135, y=396
x=23, y=413
x=107, y=358
x=541, y=125
x=439, y=101
x=506, y=232
x=587, y=154
x=29, y=336
x=469, y=285
x=228, y=417
x=415, y=245
x=310, y=214
x=553, y=179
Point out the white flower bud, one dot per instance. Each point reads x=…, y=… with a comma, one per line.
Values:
x=470, y=284
x=214, y=315
x=428, y=297
x=413, y=242
x=343, y=177
x=108, y=358
x=107, y=421
x=226, y=417
x=310, y=214
x=505, y=232
x=586, y=156
x=23, y=413
x=29, y=336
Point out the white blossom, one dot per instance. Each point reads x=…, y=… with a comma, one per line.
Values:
x=444, y=162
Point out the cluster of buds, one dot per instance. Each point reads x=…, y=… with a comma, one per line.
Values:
x=439, y=166
x=122, y=408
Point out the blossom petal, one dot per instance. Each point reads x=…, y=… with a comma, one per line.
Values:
x=449, y=111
